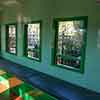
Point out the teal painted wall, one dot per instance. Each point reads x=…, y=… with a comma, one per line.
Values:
x=47, y=10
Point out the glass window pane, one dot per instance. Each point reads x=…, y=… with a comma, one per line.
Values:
x=70, y=40
x=33, y=40
x=11, y=39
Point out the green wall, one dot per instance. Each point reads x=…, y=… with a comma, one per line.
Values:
x=47, y=10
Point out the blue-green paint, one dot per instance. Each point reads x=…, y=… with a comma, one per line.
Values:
x=47, y=10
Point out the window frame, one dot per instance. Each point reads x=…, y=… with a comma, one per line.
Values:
x=83, y=52
x=25, y=40
x=0, y=39
x=7, y=35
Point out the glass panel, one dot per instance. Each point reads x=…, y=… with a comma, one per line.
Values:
x=33, y=40
x=12, y=39
x=70, y=41
x=69, y=62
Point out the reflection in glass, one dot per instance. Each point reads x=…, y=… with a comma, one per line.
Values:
x=12, y=39
x=33, y=40
x=70, y=41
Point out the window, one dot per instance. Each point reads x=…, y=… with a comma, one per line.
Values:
x=33, y=39
x=0, y=39
x=70, y=42
x=11, y=43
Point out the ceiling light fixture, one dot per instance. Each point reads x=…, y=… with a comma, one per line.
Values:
x=10, y=2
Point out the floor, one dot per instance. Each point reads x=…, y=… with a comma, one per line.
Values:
x=11, y=88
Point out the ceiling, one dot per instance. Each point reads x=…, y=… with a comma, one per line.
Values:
x=9, y=3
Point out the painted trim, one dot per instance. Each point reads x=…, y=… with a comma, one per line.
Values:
x=0, y=40
x=54, y=50
x=25, y=40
